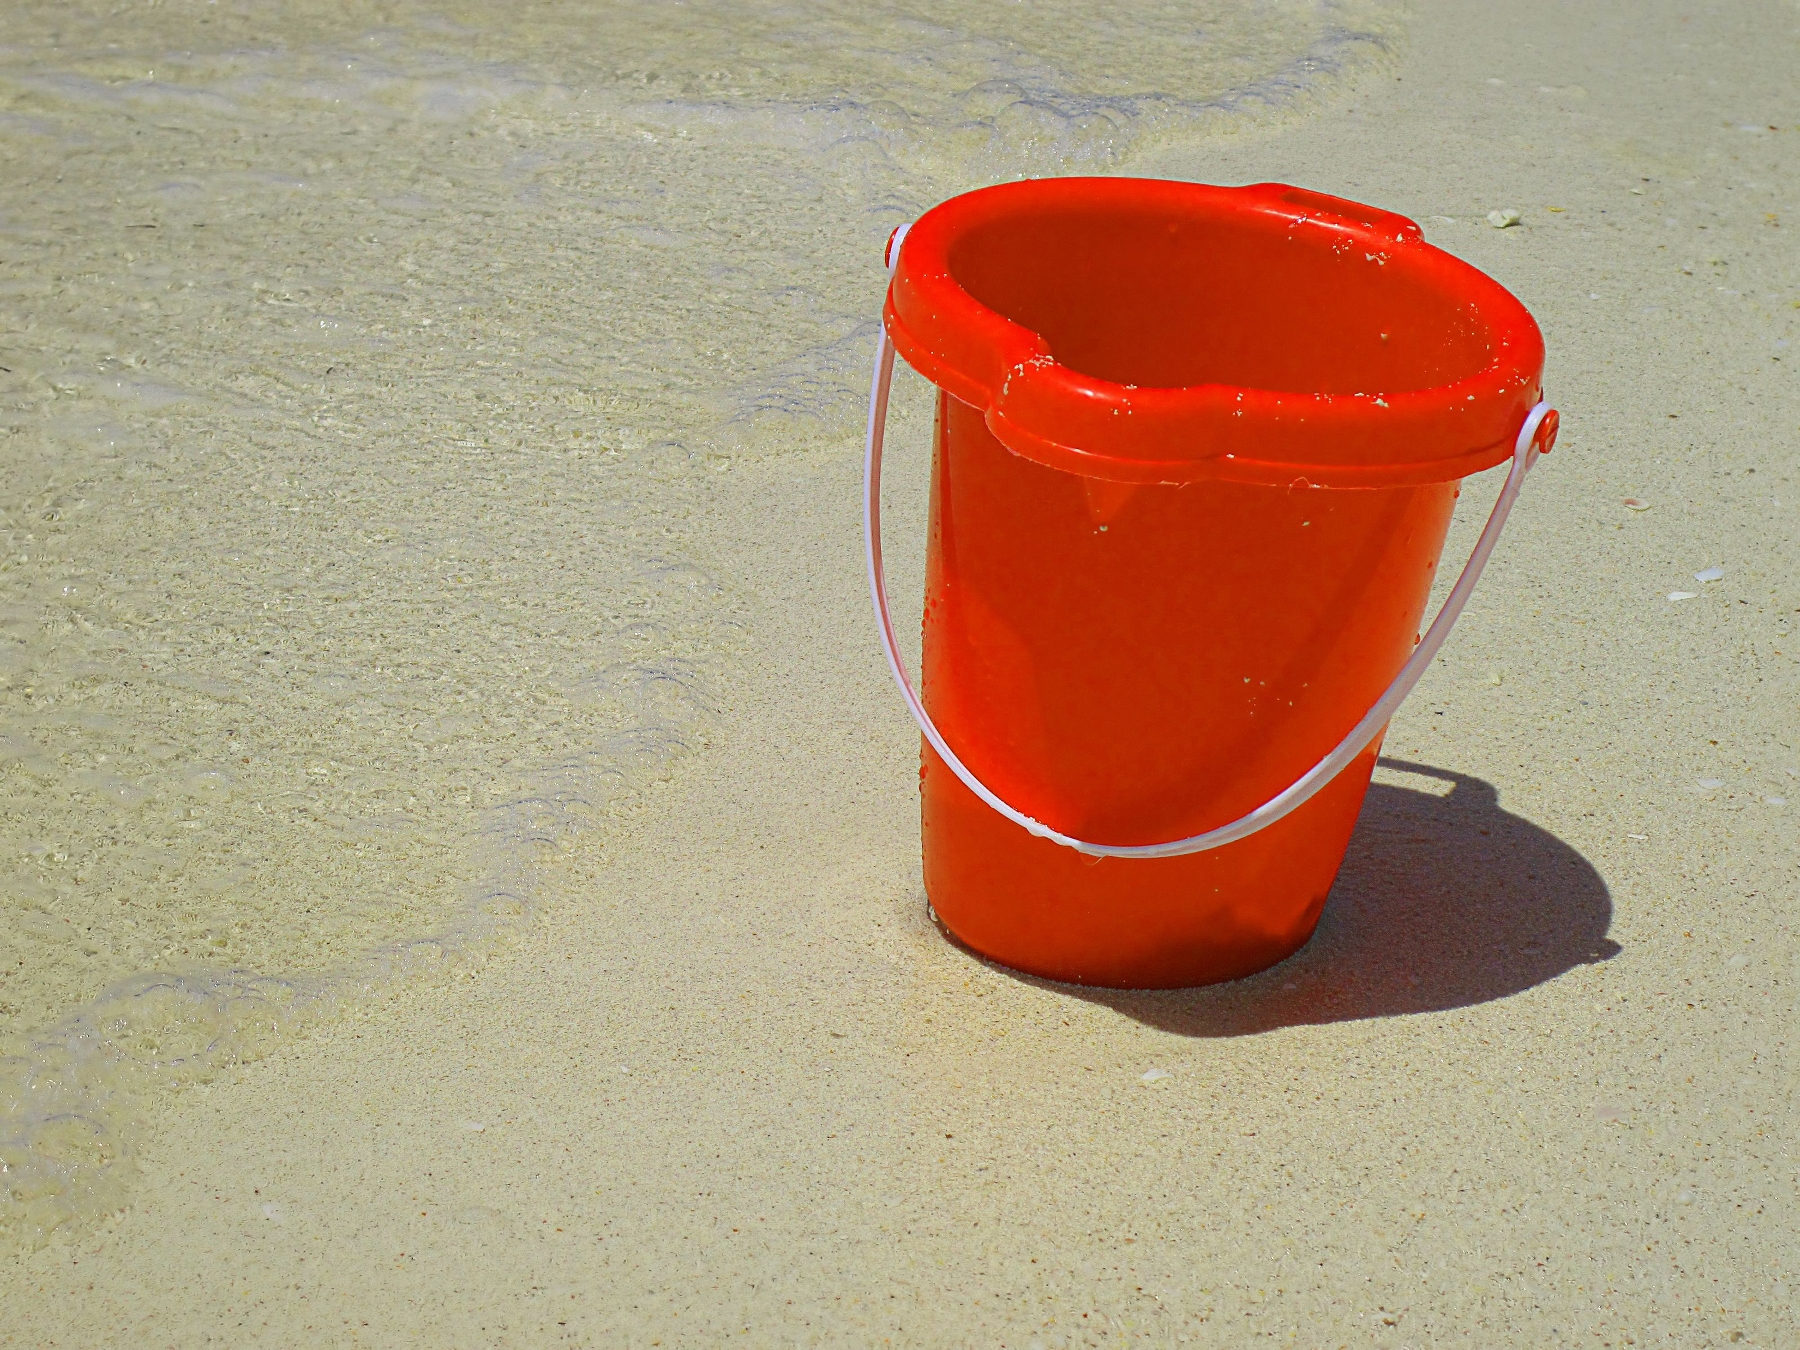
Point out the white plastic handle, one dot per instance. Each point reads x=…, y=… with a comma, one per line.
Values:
x=1303, y=788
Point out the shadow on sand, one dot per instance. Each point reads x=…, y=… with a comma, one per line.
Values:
x=1443, y=901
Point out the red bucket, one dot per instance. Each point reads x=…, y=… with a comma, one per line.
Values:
x=1195, y=458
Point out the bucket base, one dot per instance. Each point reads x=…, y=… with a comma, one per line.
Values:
x=1164, y=923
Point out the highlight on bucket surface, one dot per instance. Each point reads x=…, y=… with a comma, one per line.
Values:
x=1195, y=456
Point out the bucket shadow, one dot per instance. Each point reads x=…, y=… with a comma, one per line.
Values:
x=1442, y=902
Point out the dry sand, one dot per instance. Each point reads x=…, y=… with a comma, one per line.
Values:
x=1532, y=1083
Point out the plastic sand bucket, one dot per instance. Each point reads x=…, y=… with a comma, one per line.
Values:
x=1195, y=458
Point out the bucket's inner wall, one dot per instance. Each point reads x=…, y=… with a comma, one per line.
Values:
x=1165, y=300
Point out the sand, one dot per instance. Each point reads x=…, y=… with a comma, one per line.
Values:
x=1532, y=1083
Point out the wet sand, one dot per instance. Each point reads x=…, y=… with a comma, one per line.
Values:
x=1531, y=1084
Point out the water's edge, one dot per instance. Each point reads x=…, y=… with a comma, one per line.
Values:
x=709, y=351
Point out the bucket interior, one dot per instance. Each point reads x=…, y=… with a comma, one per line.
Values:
x=1169, y=300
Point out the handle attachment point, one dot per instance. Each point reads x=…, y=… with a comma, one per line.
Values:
x=891, y=254
x=1544, y=440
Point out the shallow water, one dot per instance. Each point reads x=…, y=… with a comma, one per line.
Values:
x=362, y=369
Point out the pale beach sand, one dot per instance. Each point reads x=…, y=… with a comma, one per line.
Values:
x=697, y=1067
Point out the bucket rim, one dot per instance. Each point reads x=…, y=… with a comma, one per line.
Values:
x=1098, y=428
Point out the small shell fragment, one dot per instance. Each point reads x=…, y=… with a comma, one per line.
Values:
x=1636, y=504
x=1710, y=783
x=1710, y=574
x=1154, y=1076
x=1502, y=220
x=1682, y=595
